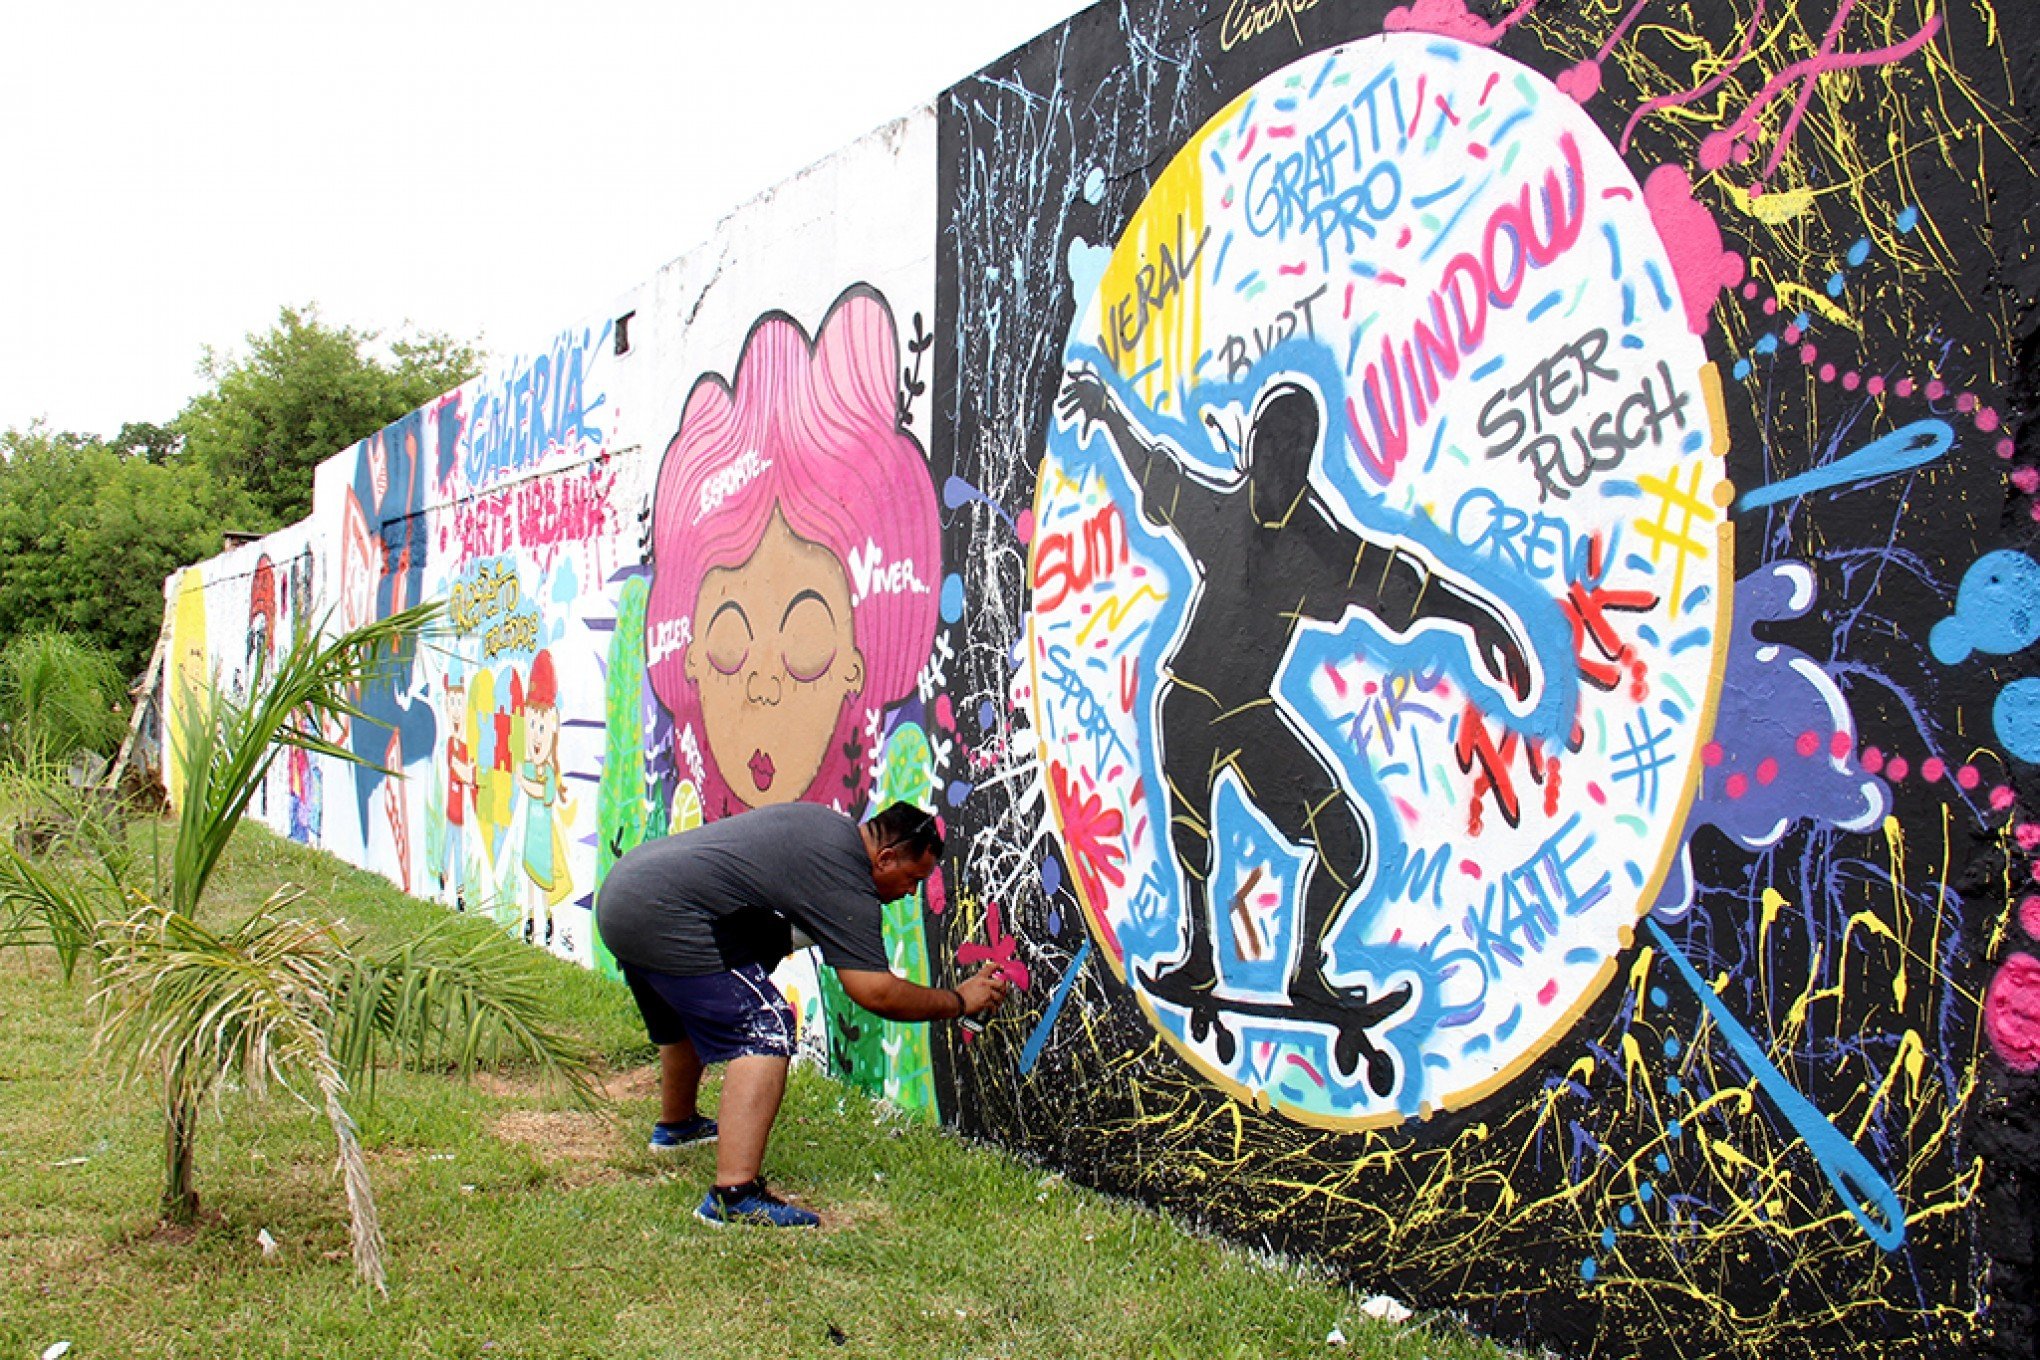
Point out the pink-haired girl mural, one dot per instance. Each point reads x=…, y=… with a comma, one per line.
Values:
x=796, y=563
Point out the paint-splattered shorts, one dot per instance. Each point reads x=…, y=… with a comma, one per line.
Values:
x=737, y=1014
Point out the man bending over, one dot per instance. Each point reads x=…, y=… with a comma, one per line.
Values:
x=699, y=920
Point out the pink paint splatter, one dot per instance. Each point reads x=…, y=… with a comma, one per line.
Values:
x=1732, y=144
x=2029, y=916
x=1000, y=952
x=1693, y=239
x=1581, y=82
x=1451, y=19
x=1547, y=992
x=2011, y=1012
x=2027, y=479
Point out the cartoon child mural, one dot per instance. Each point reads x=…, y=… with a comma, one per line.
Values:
x=796, y=559
x=460, y=786
x=796, y=549
x=546, y=879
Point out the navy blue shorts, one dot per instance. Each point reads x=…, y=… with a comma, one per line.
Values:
x=738, y=1014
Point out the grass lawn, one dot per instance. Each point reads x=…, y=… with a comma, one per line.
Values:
x=522, y=1225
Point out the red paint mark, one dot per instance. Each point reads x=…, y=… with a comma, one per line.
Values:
x=1396, y=280
x=1314, y=1074
x=1547, y=992
x=1248, y=144
x=1470, y=869
x=1767, y=770
x=1477, y=151
x=1291, y=268
x=1090, y=835
x=1488, y=88
x=1284, y=130
x=1445, y=109
x=1597, y=793
x=1418, y=115
x=1347, y=314
x=1339, y=685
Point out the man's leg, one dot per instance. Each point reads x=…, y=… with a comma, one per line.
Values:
x=679, y=1082
x=752, y=1088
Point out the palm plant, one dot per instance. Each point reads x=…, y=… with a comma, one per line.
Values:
x=280, y=1000
x=58, y=696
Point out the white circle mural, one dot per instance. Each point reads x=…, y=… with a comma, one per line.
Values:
x=1377, y=581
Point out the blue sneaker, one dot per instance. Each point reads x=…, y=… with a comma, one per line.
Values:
x=688, y=1132
x=752, y=1203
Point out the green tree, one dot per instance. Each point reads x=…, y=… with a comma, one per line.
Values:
x=304, y=392
x=279, y=1000
x=87, y=537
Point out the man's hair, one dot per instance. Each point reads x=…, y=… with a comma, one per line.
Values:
x=908, y=827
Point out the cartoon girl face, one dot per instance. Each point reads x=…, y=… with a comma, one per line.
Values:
x=774, y=661
x=541, y=733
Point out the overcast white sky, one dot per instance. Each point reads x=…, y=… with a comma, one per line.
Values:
x=175, y=171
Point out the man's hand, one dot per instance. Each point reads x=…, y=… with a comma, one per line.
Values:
x=1085, y=401
x=984, y=990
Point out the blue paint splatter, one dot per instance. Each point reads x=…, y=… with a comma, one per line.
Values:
x=1903, y=449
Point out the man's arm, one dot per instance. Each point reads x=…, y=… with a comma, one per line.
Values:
x=1402, y=590
x=1160, y=481
x=894, y=998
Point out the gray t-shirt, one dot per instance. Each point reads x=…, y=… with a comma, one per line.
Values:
x=722, y=895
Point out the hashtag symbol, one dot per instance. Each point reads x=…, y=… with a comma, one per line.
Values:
x=1681, y=541
x=1641, y=760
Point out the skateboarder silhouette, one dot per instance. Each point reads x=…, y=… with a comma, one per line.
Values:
x=1269, y=555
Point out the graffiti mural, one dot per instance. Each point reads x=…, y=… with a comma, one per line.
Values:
x=1331, y=667
x=1495, y=687
x=1461, y=576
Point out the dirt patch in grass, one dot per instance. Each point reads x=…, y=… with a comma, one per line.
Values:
x=631, y=1083
x=578, y=1148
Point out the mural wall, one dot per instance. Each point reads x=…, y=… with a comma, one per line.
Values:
x=1463, y=581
